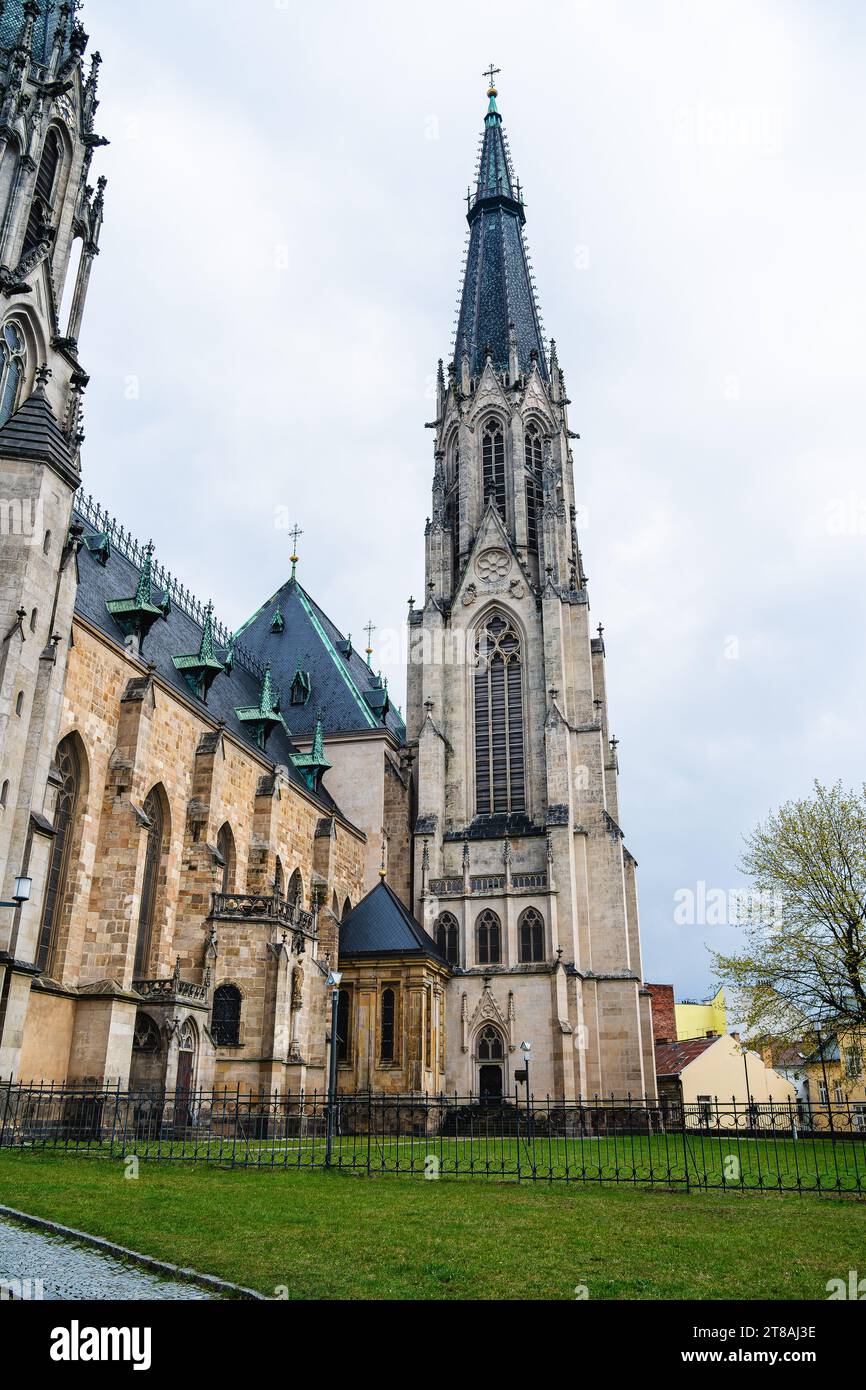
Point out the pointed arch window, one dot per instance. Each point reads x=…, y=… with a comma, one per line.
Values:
x=533, y=454
x=493, y=465
x=150, y=882
x=40, y=208
x=12, y=369
x=226, y=1021
x=530, y=930
x=447, y=936
x=69, y=767
x=488, y=939
x=490, y=1047
x=226, y=851
x=387, y=1030
x=499, y=739
x=295, y=895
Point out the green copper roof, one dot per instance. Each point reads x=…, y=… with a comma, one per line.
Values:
x=136, y=615
x=201, y=670
x=314, y=764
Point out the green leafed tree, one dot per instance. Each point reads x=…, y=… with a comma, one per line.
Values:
x=804, y=958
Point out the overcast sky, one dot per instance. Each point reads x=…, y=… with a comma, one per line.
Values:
x=279, y=273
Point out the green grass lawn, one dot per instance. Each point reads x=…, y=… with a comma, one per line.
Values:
x=341, y=1235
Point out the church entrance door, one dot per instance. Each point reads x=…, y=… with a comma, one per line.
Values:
x=490, y=1084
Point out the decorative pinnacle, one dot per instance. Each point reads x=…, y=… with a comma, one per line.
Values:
x=206, y=651
x=383, y=872
x=145, y=579
x=43, y=376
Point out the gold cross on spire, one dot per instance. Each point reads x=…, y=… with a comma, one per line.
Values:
x=491, y=74
x=295, y=534
x=370, y=629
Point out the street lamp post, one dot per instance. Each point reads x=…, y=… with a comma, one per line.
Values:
x=526, y=1049
x=334, y=978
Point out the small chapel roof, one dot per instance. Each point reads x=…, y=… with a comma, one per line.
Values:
x=381, y=925
x=317, y=668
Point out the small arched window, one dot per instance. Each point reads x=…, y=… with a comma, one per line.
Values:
x=41, y=208
x=447, y=937
x=19, y=703
x=344, y=1025
x=533, y=468
x=226, y=1022
x=490, y=1047
x=34, y=618
x=226, y=850
x=295, y=895
x=488, y=939
x=347, y=908
x=388, y=1012
x=493, y=465
x=150, y=881
x=46, y=544
x=499, y=769
x=69, y=768
x=12, y=369
x=4, y=793
x=531, y=935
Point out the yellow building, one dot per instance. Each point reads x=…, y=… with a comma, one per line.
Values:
x=696, y=1020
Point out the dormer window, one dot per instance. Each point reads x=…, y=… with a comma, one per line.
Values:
x=301, y=687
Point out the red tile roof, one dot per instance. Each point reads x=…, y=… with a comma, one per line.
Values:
x=672, y=1058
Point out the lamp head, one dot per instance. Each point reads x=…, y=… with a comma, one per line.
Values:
x=23, y=885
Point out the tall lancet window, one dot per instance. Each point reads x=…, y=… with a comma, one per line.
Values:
x=499, y=760
x=150, y=882
x=493, y=464
x=69, y=769
x=40, y=208
x=533, y=463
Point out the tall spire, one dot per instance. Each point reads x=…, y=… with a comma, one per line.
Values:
x=498, y=298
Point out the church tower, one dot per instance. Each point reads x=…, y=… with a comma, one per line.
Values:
x=50, y=222
x=520, y=867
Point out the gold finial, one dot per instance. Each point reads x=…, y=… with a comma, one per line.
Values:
x=383, y=872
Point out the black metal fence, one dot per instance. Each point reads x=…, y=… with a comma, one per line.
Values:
x=729, y=1145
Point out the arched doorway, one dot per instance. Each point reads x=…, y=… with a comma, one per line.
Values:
x=490, y=1053
x=187, y=1046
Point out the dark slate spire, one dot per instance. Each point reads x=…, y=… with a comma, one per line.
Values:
x=497, y=291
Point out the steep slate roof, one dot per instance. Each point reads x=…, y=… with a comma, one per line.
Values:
x=180, y=635
x=382, y=926
x=43, y=27
x=33, y=433
x=342, y=685
x=673, y=1058
x=497, y=289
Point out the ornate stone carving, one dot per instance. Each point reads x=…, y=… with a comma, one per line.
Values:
x=493, y=564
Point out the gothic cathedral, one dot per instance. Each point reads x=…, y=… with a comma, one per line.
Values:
x=198, y=824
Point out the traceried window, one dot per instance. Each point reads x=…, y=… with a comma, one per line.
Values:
x=490, y=1047
x=386, y=1031
x=69, y=768
x=150, y=882
x=488, y=939
x=499, y=759
x=12, y=369
x=493, y=465
x=533, y=465
x=41, y=207
x=226, y=1022
x=447, y=937
x=530, y=930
